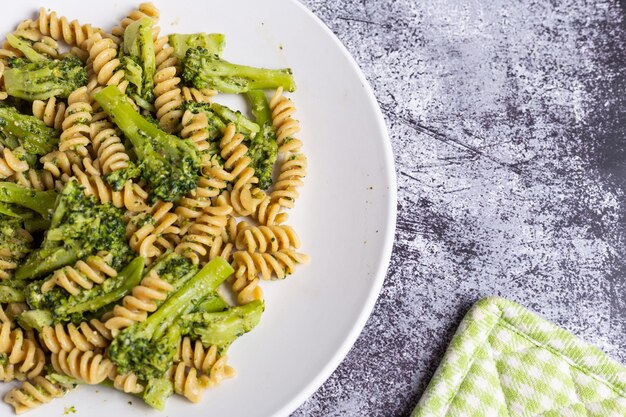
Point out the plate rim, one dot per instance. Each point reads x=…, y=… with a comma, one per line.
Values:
x=388, y=239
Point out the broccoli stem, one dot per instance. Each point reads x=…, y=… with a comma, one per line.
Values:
x=25, y=48
x=6, y=211
x=184, y=300
x=12, y=291
x=222, y=328
x=41, y=80
x=30, y=132
x=136, y=128
x=244, y=125
x=35, y=319
x=214, y=43
x=169, y=164
x=212, y=304
x=41, y=202
x=39, y=263
x=139, y=45
x=157, y=391
x=202, y=70
x=117, y=287
x=263, y=149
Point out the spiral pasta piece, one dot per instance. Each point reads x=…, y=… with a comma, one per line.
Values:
x=59, y=164
x=279, y=264
x=75, y=126
x=11, y=164
x=128, y=383
x=148, y=240
x=198, y=241
x=107, y=145
x=144, y=10
x=198, y=95
x=206, y=361
x=144, y=299
x=243, y=197
x=187, y=382
x=131, y=197
x=60, y=29
x=292, y=170
x=267, y=239
x=103, y=54
x=83, y=275
x=21, y=351
x=88, y=367
x=195, y=128
x=8, y=374
x=84, y=336
x=34, y=393
x=51, y=112
x=168, y=96
x=38, y=179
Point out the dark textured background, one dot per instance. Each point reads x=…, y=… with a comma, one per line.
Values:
x=508, y=123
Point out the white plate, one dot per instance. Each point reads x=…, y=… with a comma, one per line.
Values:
x=345, y=215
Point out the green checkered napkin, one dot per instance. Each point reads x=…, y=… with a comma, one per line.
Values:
x=506, y=361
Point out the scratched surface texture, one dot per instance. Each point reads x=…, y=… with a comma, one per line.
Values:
x=508, y=124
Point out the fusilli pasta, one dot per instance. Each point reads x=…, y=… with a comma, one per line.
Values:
x=144, y=299
x=83, y=275
x=11, y=164
x=50, y=111
x=267, y=239
x=86, y=366
x=168, y=96
x=60, y=29
x=84, y=336
x=34, y=393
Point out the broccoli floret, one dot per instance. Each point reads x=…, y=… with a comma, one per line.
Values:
x=214, y=43
x=67, y=307
x=44, y=79
x=222, y=328
x=35, y=319
x=202, y=69
x=42, y=202
x=12, y=291
x=79, y=227
x=169, y=164
x=263, y=149
x=29, y=132
x=15, y=242
x=139, y=61
x=148, y=348
x=117, y=179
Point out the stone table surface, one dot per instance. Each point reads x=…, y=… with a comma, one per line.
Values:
x=508, y=124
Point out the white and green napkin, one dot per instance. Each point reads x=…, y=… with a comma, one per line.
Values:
x=506, y=361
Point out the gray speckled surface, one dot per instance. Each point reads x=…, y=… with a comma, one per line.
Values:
x=508, y=122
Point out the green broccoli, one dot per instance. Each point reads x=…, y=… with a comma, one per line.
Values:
x=202, y=69
x=79, y=227
x=139, y=61
x=148, y=348
x=42, y=202
x=214, y=43
x=66, y=307
x=222, y=328
x=15, y=242
x=219, y=116
x=263, y=149
x=41, y=80
x=169, y=164
x=29, y=132
x=12, y=290
x=26, y=48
